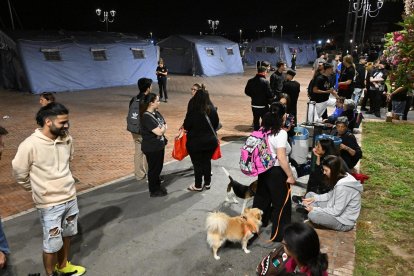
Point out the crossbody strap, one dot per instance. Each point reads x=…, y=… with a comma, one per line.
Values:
x=211, y=126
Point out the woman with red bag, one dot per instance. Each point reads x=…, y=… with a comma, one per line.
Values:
x=200, y=123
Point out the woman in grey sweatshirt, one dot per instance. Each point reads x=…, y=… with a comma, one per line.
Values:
x=339, y=208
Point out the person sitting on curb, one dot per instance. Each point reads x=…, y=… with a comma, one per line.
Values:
x=350, y=151
x=339, y=208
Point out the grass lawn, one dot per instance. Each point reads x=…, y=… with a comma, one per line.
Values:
x=385, y=230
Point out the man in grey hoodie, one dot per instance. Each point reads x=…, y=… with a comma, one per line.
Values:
x=339, y=208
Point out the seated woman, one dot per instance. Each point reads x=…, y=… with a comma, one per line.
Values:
x=316, y=181
x=338, y=209
x=350, y=151
x=301, y=244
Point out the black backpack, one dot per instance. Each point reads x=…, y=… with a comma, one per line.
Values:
x=133, y=124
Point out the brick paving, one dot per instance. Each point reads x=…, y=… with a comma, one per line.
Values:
x=104, y=149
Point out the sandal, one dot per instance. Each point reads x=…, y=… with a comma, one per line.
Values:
x=193, y=188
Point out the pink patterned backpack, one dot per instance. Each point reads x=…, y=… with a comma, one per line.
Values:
x=256, y=156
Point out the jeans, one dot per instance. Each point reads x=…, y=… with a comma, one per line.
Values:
x=356, y=95
x=56, y=224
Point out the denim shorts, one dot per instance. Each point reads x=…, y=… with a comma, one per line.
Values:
x=55, y=217
x=398, y=107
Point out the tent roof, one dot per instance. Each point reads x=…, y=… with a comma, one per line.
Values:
x=210, y=39
x=78, y=37
x=274, y=40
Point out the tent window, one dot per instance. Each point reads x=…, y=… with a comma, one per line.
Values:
x=99, y=54
x=229, y=51
x=138, y=53
x=51, y=54
x=210, y=51
x=259, y=49
x=270, y=50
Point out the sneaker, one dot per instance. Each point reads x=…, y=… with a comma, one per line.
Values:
x=166, y=101
x=162, y=179
x=302, y=210
x=70, y=269
x=377, y=114
x=207, y=186
x=159, y=193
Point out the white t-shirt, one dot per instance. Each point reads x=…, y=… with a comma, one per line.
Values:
x=279, y=140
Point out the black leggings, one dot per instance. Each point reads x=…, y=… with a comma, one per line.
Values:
x=155, y=161
x=271, y=194
x=162, y=85
x=202, y=166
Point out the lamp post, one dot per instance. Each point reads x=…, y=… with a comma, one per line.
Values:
x=273, y=29
x=281, y=32
x=362, y=9
x=240, y=32
x=213, y=24
x=105, y=15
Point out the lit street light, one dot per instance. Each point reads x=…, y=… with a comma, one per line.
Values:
x=240, y=32
x=106, y=16
x=213, y=24
x=273, y=29
x=281, y=32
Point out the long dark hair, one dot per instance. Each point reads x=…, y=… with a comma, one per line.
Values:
x=303, y=242
x=328, y=146
x=145, y=102
x=200, y=102
x=334, y=163
x=48, y=96
x=273, y=120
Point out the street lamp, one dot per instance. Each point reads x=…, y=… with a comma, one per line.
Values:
x=281, y=32
x=106, y=16
x=273, y=28
x=363, y=9
x=213, y=24
x=240, y=32
x=259, y=31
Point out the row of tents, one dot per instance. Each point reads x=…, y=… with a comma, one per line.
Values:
x=67, y=61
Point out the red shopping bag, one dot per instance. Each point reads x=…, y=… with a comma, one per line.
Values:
x=180, y=150
x=217, y=152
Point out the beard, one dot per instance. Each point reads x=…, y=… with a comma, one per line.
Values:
x=59, y=132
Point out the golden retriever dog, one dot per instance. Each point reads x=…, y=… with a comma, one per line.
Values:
x=221, y=227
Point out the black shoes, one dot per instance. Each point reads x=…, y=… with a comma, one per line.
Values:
x=364, y=109
x=297, y=199
x=377, y=114
x=159, y=193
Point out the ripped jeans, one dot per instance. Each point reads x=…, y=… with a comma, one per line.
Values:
x=58, y=221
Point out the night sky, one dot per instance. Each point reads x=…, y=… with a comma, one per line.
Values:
x=162, y=18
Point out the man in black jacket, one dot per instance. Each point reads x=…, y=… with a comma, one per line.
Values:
x=277, y=79
x=258, y=89
x=292, y=88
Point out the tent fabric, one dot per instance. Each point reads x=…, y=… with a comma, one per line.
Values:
x=12, y=75
x=273, y=50
x=78, y=69
x=201, y=55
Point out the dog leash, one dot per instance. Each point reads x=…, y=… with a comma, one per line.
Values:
x=280, y=215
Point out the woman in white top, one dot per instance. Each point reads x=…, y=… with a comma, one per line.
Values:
x=272, y=195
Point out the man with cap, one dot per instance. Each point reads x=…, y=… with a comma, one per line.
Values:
x=350, y=151
x=133, y=126
x=292, y=88
x=258, y=89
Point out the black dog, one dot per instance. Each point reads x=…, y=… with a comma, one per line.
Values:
x=236, y=189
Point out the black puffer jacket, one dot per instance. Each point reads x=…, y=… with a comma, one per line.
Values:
x=258, y=89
